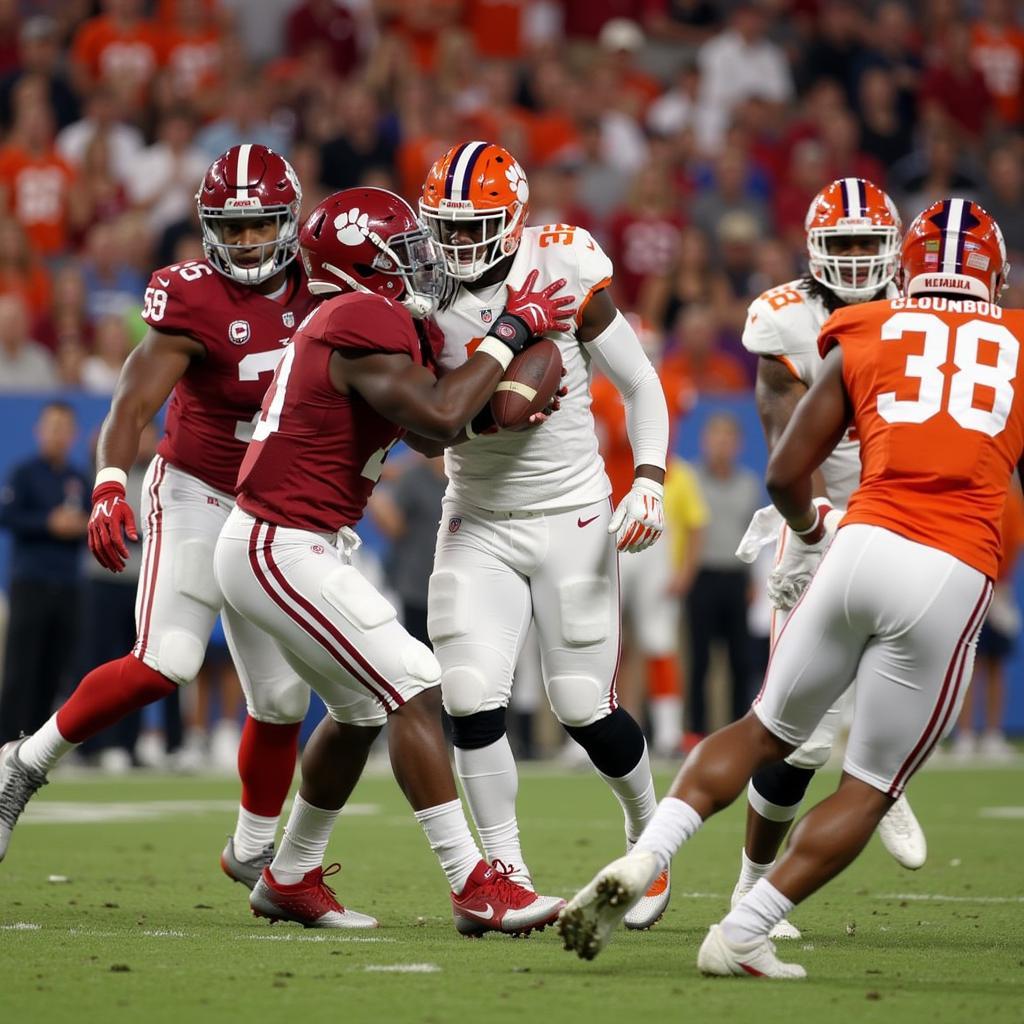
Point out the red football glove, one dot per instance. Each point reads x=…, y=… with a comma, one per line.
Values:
x=111, y=519
x=541, y=310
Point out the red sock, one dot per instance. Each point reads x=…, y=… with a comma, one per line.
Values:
x=266, y=764
x=663, y=677
x=107, y=694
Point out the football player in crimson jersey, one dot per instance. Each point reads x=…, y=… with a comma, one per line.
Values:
x=217, y=330
x=528, y=530
x=853, y=238
x=930, y=381
x=359, y=374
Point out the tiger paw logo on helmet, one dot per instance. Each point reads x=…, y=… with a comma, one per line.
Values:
x=517, y=182
x=352, y=226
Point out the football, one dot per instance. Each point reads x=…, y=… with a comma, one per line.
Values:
x=529, y=385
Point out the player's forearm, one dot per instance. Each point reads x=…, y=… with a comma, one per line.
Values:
x=118, y=443
x=458, y=397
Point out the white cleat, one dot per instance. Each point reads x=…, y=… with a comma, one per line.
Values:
x=18, y=784
x=902, y=836
x=720, y=958
x=651, y=907
x=783, y=930
x=587, y=922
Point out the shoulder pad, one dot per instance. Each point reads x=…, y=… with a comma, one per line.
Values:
x=177, y=294
x=369, y=323
x=578, y=250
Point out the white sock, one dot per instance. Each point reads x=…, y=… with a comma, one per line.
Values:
x=447, y=831
x=667, y=723
x=755, y=915
x=635, y=793
x=751, y=872
x=45, y=747
x=304, y=843
x=490, y=781
x=673, y=823
x=253, y=833
x=773, y=812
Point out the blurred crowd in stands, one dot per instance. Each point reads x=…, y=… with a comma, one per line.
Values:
x=688, y=136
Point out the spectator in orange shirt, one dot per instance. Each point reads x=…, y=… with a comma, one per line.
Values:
x=697, y=357
x=496, y=27
x=621, y=39
x=20, y=272
x=35, y=182
x=997, y=51
x=119, y=47
x=190, y=49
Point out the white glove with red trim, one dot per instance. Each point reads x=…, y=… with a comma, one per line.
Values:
x=639, y=519
x=800, y=555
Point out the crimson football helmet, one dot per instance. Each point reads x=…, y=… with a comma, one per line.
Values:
x=955, y=247
x=481, y=187
x=852, y=207
x=369, y=240
x=250, y=182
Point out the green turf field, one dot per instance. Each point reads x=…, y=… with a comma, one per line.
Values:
x=145, y=928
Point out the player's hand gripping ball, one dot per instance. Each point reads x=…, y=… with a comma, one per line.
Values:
x=530, y=386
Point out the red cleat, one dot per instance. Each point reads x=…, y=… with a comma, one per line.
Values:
x=492, y=902
x=311, y=902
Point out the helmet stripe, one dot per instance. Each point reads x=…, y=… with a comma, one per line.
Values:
x=851, y=198
x=449, y=177
x=243, y=170
x=862, y=197
x=952, y=237
x=463, y=168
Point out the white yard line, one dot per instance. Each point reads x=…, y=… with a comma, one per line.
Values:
x=402, y=968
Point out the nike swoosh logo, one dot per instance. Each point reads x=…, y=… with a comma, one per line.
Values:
x=586, y=522
x=484, y=915
x=164, y=281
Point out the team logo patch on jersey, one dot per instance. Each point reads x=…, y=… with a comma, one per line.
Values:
x=454, y=523
x=239, y=332
x=288, y=319
x=317, y=549
x=486, y=315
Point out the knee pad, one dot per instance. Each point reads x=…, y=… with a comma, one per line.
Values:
x=811, y=756
x=615, y=744
x=584, y=606
x=480, y=730
x=193, y=573
x=281, y=703
x=776, y=791
x=578, y=700
x=464, y=689
x=420, y=663
x=180, y=656
x=348, y=592
x=447, y=607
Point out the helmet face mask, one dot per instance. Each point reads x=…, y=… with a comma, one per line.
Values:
x=852, y=213
x=474, y=203
x=249, y=183
x=369, y=240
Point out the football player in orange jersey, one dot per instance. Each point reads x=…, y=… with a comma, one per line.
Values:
x=927, y=379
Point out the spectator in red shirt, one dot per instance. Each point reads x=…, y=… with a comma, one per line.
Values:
x=955, y=88
x=695, y=355
x=645, y=232
x=325, y=21
x=997, y=50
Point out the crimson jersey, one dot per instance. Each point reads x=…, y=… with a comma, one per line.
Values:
x=215, y=404
x=316, y=454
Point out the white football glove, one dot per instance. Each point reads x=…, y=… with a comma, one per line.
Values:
x=799, y=560
x=639, y=519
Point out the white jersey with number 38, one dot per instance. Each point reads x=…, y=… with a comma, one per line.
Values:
x=556, y=465
x=784, y=322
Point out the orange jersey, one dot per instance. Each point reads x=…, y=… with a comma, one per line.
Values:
x=937, y=391
x=109, y=52
x=37, y=189
x=610, y=419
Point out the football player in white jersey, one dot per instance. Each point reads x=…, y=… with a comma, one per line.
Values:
x=527, y=531
x=853, y=246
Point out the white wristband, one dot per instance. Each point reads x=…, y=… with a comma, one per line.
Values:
x=111, y=475
x=496, y=350
x=470, y=432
